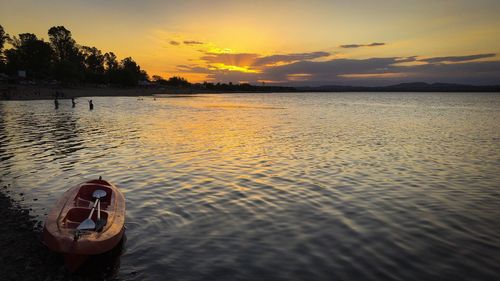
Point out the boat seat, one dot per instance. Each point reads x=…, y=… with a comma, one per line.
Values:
x=76, y=215
x=85, y=199
x=80, y=202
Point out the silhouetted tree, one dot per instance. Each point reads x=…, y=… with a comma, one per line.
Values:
x=158, y=79
x=144, y=76
x=4, y=37
x=110, y=61
x=111, y=67
x=69, y=63
x=64, y=60
x=130, y=73
x=94, y=64
x=178, y=81
x=31, y=54
x=175, y=81
x=62, y=42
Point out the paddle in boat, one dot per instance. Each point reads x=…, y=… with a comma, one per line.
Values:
x=89, y=219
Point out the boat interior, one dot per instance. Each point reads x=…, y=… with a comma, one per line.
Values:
x=83, y=203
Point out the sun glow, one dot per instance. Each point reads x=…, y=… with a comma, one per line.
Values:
x=244, y=69
x=212, y=49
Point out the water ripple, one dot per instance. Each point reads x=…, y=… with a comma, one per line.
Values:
x=336, y=186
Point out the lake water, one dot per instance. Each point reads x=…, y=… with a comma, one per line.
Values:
x=288, y=186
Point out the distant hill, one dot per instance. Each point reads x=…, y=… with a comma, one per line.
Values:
x=405, y=87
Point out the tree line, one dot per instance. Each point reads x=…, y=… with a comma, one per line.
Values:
x=63, y=60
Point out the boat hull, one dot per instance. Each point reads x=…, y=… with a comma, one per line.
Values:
x=60, y=232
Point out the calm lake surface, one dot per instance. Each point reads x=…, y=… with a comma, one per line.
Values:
x=288, y=186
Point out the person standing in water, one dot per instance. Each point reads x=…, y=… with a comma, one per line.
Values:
x=73, y=103
x=91, y=105
x=56, y=103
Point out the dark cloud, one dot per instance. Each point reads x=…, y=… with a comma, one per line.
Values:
x=186, y=42
x=457, y=58
x=222, y=75
x=380, y=70
x=375, y=44
x=183, y=66
x=194, y=69
x=256, y=60
x=304, y=69
x=241, y=59
x=192, y=42
x=407, y=59
x=332, y=68
x=287, y=58
x=373, y=71
x=233, y=76
x=351, y=46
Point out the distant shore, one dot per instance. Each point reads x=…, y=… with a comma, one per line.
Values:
x=44, y=92
x=23, y=92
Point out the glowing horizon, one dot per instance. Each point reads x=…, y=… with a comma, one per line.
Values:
x=291, y=42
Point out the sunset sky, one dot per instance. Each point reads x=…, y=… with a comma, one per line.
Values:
x=356, y=42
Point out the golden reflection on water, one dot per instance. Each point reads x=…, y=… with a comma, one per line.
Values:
x=242, y=106
x=225, y=130
x=216, y=134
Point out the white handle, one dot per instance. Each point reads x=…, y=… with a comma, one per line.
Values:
x=93, y=208
x=99, y=209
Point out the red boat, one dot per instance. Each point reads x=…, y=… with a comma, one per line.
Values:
x=77, y=230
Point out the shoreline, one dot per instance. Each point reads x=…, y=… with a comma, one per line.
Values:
x=29, y=92
x=22, y=92
x=24, y=257
x=45, y=92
